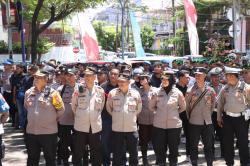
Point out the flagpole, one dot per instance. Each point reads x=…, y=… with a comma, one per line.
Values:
x=234, y=23
x=173, y=15
x=122, y=2
x=10, y=49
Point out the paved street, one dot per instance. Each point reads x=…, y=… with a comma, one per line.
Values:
x=16, y=152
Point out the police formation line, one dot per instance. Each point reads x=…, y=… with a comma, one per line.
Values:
x=108, y=112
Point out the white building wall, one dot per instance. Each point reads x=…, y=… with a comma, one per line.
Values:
x=3, y=32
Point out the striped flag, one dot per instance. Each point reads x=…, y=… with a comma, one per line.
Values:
x=89, y=39
x=191, y=19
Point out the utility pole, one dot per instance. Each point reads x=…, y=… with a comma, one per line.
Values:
x=234, y=22
x=127, y=25
x=117, y=31
x=21, y=28
x=123, y=2
x=173, y=16
x=9, y=30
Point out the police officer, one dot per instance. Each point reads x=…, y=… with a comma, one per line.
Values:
x=232, y=106
x=44, y=106
x=246, y=73
x=87, y=103
x=124, y=104
x=182, y=85
x=156, y=76
x=145, y=118
x=106, y=118
x=101, y=76
x=136, y=74
x=6, y=87
x=200, y=105
x=214, y=75
x=167, y=103
x=18, y=94
x=66, y=121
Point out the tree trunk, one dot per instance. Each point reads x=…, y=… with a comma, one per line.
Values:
x=39, y=57
x=28, y=44
x=34, y=38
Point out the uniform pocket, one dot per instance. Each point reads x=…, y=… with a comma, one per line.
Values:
x=98, y=104
x=67, y=97
x=131, y=106
x=208, y=100
x=172, y=101
x=31, y=101
x=82, y=103
x=117, y=104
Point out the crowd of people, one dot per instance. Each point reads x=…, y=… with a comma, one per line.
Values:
x=93, y=111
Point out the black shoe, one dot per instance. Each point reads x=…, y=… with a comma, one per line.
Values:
x=66, y=164
x=59, y=161
x=145, y=162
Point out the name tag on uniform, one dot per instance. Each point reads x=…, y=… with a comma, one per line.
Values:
x=131, y=99
x=82, y=101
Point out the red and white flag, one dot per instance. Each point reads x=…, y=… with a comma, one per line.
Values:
x=89, y=38
x=191, y=19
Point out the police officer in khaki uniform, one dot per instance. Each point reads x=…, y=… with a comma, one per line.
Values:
x=124, y=104
x=66, y=121
x=246, y=73
x=145, y=118
x=167, y=103
x=44, y=106
x=200, y=105
x=6, y=87
x=214, y=77
x=232, y=106
x=87, y=104
x=136, y=81
x=107, y=119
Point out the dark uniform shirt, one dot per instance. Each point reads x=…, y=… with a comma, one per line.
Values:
x=17, y=82
x=28, y=82
x=106, y=117
x=155, y=82
x=182, y=89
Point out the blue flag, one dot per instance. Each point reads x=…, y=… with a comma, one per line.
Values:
x=139, y=51
x=4, y=107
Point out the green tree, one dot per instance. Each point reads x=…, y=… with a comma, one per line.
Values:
x=107, y=36
x=49, y=11
x=43, y=46
x=147, y=37
x=206, y=24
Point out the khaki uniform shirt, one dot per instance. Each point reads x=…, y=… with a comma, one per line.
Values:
x=42, y=116
x=233, y=100
x=68, y=117
x=202, y=112
x=124, y=109
x=146, y=116
x=167, y=108
x=87, y=107
x=217, y=94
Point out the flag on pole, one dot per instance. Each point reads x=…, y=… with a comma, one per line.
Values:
x=89, y=39
x=4, y=107
x=191, y=19
x=139, y=51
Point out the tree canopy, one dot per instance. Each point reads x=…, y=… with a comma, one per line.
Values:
x=42, y=13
